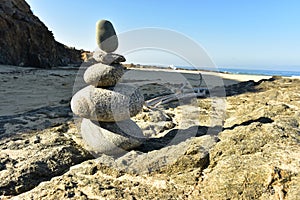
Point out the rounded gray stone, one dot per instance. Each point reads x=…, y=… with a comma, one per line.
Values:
x=107, y=105
x=101, y=75
x=106, y=37
x=111, y=138
x=108, y=58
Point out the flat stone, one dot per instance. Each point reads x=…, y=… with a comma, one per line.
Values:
x=111, y=138
x=101, y=75
x=106, y=37
x=107, y=105
x=108, y=58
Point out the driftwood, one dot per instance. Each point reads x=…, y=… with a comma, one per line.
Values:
x=183, y=94
x=180, y=94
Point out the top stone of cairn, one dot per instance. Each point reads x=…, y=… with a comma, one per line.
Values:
x=106, y=37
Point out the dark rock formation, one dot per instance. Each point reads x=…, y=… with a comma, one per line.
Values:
x=26, y=41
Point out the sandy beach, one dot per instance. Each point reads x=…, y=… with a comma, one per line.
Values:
x=25, y=89
x=34, y=99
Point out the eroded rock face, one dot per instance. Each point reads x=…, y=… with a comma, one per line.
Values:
x=29, y=159
x=259, y=148
x=106, y=178
x=26, y=41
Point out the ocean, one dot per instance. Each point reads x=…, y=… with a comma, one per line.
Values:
x=249, y=71
x=260, y=72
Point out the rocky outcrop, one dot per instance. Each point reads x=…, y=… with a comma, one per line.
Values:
x=120, y=179
x=259, y=150
x=29, y=159
x=255, y=156
x=26, y=41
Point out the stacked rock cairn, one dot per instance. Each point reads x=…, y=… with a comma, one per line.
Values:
x=106, y=105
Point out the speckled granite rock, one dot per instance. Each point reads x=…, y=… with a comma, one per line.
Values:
x=107, y=105
x=111, y=138
x=101, y=75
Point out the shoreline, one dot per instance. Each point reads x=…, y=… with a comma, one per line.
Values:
x=24, y=88
x=232, y=76
x=236, y=71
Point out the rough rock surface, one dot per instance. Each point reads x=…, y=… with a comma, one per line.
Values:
x=107, y=105
x=154, y=122
x=255, y=156
x=101, y=75
x=259, y=152
x=26, y=41
x=34, y=120
x=29, y=159
x=125, y=177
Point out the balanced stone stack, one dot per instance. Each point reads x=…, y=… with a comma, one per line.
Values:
x=106, y=105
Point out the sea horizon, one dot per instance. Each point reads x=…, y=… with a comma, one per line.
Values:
x=267, y=72
x=255, y=71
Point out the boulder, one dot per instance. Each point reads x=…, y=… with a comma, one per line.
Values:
x=110, y=138
x=107, y=105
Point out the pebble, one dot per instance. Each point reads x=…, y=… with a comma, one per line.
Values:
x=108, y=58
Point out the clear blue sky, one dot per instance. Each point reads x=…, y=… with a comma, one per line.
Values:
x=237, y=33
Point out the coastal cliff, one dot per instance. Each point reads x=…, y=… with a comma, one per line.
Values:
x=26, y=41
